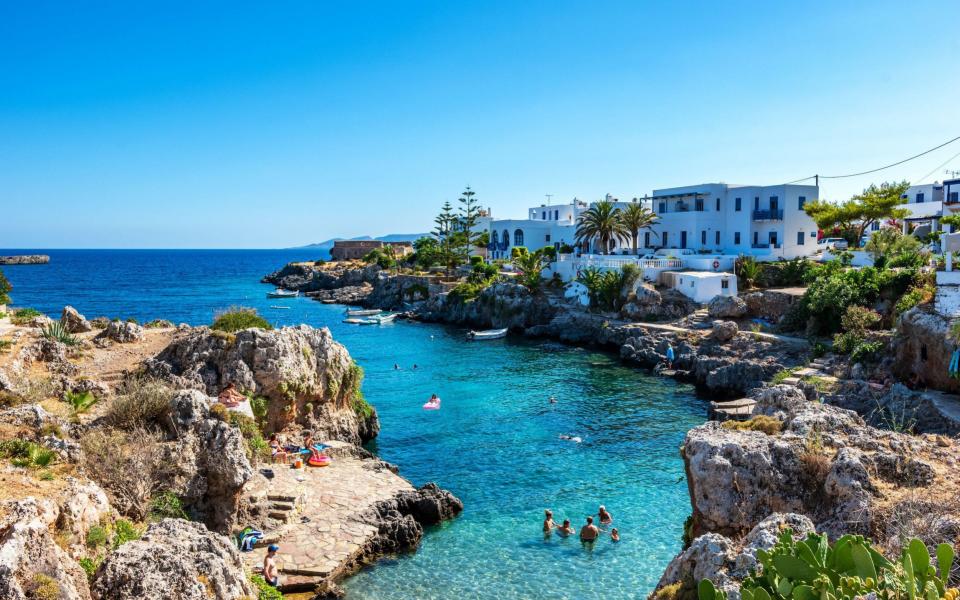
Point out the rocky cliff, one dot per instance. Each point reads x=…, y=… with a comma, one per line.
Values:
x=310, y=277
x=307, y=378
x=25, y=259
x=923, y=347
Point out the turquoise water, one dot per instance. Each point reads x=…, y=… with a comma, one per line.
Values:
x=494, y=443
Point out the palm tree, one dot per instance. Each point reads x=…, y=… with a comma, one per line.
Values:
x=636, y=218
x=601, y=221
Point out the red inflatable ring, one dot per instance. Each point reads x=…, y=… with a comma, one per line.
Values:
x=716, y=264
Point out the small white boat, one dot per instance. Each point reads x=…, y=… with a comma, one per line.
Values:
x=489, y=334
x=354, y=321
x=280, y=307
x=381, y=319
x=282, y=293
x=363, y=312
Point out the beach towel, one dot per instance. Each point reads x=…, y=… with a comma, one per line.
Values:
x=248, y=538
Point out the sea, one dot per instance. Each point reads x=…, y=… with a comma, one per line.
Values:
x=496, y=442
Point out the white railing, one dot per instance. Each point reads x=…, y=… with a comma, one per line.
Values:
x=617, y=262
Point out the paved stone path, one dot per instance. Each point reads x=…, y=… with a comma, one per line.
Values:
x=325, y=532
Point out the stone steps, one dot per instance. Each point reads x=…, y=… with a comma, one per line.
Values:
x=281, y=498
x=291, y=584
x=791, y=381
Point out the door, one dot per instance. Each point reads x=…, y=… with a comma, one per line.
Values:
x=683, y=239
x=773, y=239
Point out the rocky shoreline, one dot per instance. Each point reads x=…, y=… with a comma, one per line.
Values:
x=25, y=259
x=157, y=432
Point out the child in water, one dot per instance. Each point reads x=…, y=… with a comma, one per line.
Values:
x=615, y=535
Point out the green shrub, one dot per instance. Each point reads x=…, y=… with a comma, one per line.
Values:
x=5, y=344
x=866, y=351
x=80, y=402
x=167, y=505
x=466, y=292
x=264, y=590
x=57, y=332
x=749, y=271
x=814, y=569
x=239, y=318
x=124, y=531
x=90, y=566
x=97, y=536
x=381, y=258
x=259, y=406
x=158, y=324
x=915, y=296
x=22, y=316
x=5, y=289
x=26, y=454
x=781, y=375
x=220, y=412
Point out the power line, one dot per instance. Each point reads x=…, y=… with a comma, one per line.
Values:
x=899, y=162
x=940, y=166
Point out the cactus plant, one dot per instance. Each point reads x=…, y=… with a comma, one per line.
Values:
x=812, y=569
x=56, y=331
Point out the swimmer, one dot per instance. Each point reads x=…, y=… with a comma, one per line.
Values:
x=605, y=517
x=615, y=535
x=589, y=532
x=548, y=523
x=396, y=367
x=575, y=439
x=414, y=366
x=566, y=529
x=553, y=400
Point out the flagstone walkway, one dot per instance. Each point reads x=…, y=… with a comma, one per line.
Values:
x=325, y=531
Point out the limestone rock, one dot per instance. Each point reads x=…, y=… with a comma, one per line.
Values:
x=769, y=304
x=724, y=331
x=727, y=307
x=73, y=321
x=30, y=557
x=124, y=332
x=295, y=368
x=174, y=559
x=401, y=519
x=208, y=460
x=82, y=506
x=39, y=322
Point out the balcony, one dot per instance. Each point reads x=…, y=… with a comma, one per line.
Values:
x=768, y=215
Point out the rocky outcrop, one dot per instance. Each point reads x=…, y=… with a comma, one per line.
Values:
x=647, y=304
x=25, y=259
x=31, y=561
x=173, y=559
x=727, y=307
x=307, y=378
x=826, y=464
x=207, y=461
x=898, y=407
x=503, y=304
x=124, y=332
x=73, y=321
x=726, y=561
x=724, y=331
x=771, y=305
x=310, y=277
x=351, y=294
x=923, y=348
x=401, y=519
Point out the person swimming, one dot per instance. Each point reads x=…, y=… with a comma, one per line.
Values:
x=615, y=535
x=553, y=400
x=548, y=524
x=605, y=517
x=589, y=532
x=566, y=529
x=396, y=367
x=575, y=438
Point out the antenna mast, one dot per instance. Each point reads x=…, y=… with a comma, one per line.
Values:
x=549, y=196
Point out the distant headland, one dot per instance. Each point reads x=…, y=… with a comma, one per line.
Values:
x=25, y=259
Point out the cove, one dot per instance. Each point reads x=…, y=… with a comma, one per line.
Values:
x=494, y=443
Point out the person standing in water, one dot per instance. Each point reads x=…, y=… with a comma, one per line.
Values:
x=605, y=517
x=615, y=535
x=589, y=532
x=548, y=524
x=566, y=529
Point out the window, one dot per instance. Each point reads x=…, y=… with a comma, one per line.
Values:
x=756, y=238
x=736, y=204
x=493, y=238
x=506, y=240
x=724, y=284
x=665, y=239
x=548, y=237
x=663, y=208
x=953, y=197
x=736, y=238
x=756, y=203
x=556, y=215
x=717, y=237
x=813, y=234
x=703, y=238
x=774, y=204
x=718, y=203
x=518, y=237
x=698, y=205
x=919, y=196
x=800, y=202
x=646, y=239
x=800, y=238
x=875, y=226
x=544, y=216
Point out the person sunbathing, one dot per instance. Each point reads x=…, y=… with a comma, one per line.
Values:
x=230, y=396
x=311, y=445
x=277, y=451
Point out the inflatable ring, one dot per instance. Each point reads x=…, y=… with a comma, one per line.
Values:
x=321, y=461
x=716, y=264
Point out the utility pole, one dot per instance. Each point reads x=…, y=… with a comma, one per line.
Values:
x=549, y=196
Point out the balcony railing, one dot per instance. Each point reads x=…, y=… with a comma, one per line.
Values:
x=768, y=215
x=764, y=246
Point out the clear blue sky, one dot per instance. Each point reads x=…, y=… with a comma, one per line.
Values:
x=234, y=124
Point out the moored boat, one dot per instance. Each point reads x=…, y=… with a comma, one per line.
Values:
x=282, y=293
x=363, y=312
x=489, y=334
x=384, y=318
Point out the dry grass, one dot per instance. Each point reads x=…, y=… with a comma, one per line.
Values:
x=916, y=515
x=140, y=403
x=814, y=467
x=768, y=425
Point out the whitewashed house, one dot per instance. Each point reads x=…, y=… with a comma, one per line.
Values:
x=700, y=286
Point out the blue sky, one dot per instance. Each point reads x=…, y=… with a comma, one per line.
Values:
x=139, y=124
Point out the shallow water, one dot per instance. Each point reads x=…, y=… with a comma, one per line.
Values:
x=494, y=443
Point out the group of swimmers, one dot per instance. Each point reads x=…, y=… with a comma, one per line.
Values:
x=588, y=533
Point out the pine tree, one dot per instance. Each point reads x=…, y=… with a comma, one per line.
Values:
x=467, y=216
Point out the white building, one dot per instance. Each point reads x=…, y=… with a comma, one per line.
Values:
x=546, y=225
x=701, y=286
x=928, y=203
